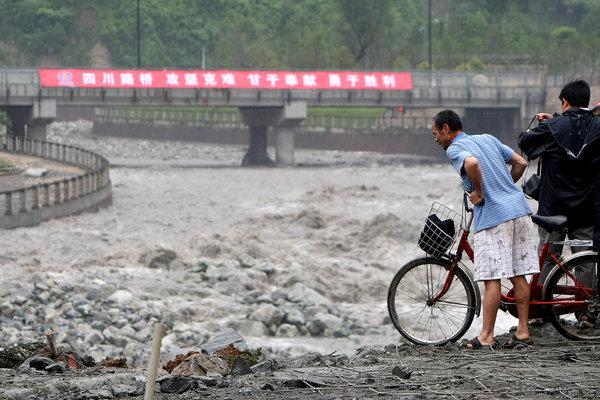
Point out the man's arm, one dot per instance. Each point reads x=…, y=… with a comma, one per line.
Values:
x=473, y=171
x=518, y=165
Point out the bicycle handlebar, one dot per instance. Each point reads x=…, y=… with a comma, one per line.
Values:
x=466, y=202
x=466, y=195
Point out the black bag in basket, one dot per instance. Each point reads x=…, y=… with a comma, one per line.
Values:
x=437, y=236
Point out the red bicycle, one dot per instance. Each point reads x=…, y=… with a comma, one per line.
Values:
x=432, y=300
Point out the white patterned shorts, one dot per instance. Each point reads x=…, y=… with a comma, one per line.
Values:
x=506, y=250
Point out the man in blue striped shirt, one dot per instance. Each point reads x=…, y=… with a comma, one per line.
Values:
x=505, y=239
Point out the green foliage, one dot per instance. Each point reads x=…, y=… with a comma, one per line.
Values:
x=5, y=123
x=40, y=27
x=423, y=65
x=474, y=64
x=301, y=34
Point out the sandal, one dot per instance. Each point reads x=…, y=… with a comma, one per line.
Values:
x=515, y=342
x=476, y=344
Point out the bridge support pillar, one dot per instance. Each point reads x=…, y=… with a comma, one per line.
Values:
x=257, y=147
x=36, y=129
x=43, y=112
x=284, y=119
x=284, y=146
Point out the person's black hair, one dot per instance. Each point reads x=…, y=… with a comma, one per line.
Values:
x=448, y=117
x=577, y=93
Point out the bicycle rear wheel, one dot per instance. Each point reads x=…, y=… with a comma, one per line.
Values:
x=420, y=322
x=575, y=322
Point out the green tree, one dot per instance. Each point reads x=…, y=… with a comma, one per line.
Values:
x=364, y=21
x=566, y=42
x=38, y=27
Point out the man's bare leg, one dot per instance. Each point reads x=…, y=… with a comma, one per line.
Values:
x=491, y=303
x=521, y=288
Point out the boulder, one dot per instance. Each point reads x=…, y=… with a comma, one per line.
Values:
x=180, y=384
x=201, y=364
x=268, y=314
x=158, y=257
x=251, y=328
x=240, y=367
x=121, y=297
x=287, y=330
x=222, y=339
x=263, y=366
x=300, y=293
x=295, y=317
x=322, y=322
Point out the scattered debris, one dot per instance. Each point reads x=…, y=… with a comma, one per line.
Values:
x=35, y=172
x=267, y=386
x=51, y=345
x=230, y=354
x=171, y=364
x=201, y=364
x=319, y=360
x=15, y=355
x=402, y=372
x=264, y=366
x=36, y=362
x=240, y=367
x=55, y=368
x=180, y=384
x=113, y=362
x=304, y=381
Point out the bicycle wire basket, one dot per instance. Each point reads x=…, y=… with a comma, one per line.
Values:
x=441, y=229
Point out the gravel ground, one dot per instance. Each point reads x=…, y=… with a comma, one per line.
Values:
x=552, y=368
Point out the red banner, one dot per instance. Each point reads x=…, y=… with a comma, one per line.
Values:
x=225, y=79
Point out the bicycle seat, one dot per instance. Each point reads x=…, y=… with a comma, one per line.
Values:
x=552, y=223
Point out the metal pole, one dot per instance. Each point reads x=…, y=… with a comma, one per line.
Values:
x=429, y=37
x=138, y=32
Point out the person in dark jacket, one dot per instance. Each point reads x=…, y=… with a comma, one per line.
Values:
x=568, y=146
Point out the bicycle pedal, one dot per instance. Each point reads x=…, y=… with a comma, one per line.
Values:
x=503, y=306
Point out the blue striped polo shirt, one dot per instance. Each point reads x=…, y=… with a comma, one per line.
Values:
x=503, y=199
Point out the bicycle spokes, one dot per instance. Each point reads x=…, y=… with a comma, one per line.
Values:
x=573, y=290
x=415, y=313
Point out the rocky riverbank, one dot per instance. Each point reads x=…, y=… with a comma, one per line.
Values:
x=296, y=259
x=552, y=367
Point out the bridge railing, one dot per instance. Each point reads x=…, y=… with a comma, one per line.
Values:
x=385, y=123
x=15, y=77
x=163, y=115
x=231, y=119
x=31, y=205
x=20, y=86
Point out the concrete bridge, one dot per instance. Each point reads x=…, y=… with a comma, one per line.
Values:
x=501, y=99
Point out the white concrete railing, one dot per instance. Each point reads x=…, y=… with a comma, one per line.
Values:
x=34, y=204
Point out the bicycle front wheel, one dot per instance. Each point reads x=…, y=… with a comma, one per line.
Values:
x=575, y=321
x=411, y=311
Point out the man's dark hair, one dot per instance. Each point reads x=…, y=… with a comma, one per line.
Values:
x=448, y=117
x=577, y=93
